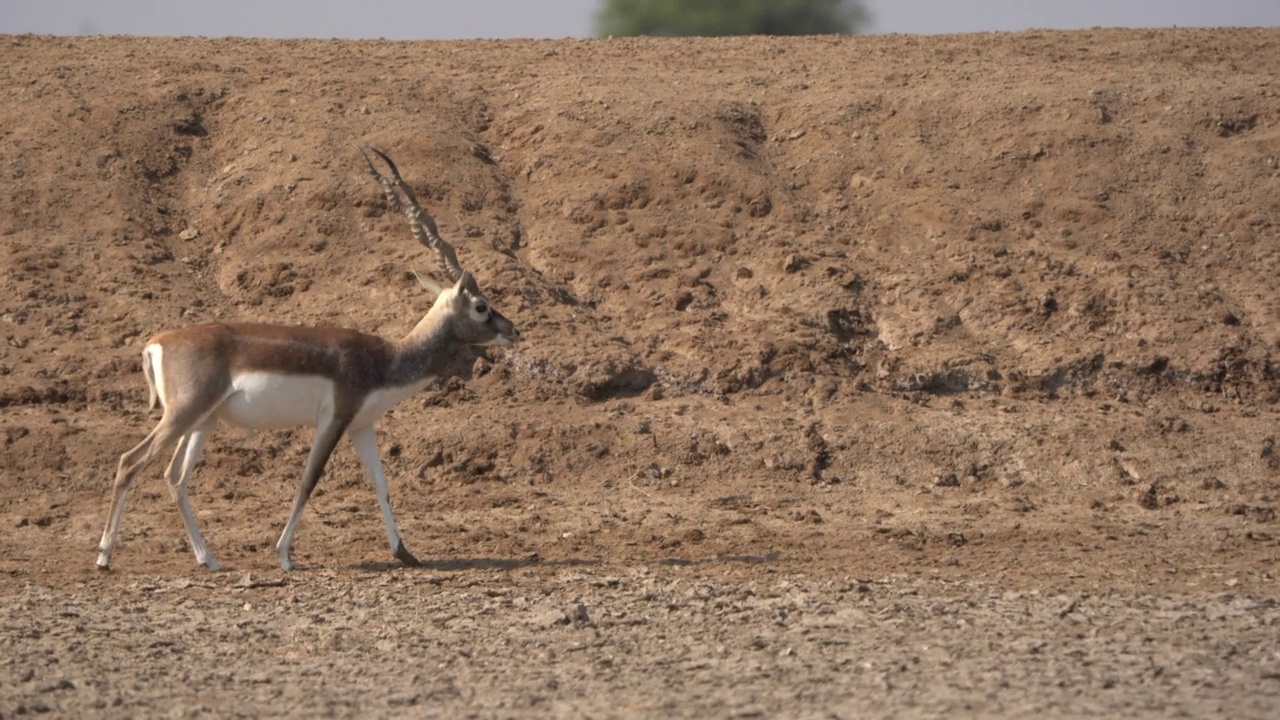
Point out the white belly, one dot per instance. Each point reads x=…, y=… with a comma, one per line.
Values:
x=380, y=401
x=260, y=401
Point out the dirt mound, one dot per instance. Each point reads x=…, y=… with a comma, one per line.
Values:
x=994, y=306
x=1018, y=261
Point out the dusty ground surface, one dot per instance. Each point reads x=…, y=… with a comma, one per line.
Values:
x=882, y=376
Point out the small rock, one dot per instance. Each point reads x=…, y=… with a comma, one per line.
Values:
x=63, y=684
x=1130, y=471
x=189, y=234
x=403, y=699
x=948, y=480
x=548, y=618
x=1149, y=499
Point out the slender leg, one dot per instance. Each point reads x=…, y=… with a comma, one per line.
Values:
x=133, y=461
x=321, y=448
x=120, y=493
x=179, y=472
x=367, y=448
x=175, y=462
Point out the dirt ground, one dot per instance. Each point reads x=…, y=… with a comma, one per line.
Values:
x=859, y=376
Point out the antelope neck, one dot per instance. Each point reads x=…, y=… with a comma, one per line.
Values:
x=423, y=353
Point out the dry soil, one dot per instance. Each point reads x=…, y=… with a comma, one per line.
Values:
x=860, y=376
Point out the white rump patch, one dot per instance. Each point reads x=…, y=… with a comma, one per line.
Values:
x=155, y=354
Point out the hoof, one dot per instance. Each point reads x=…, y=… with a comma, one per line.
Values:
x=405, y=557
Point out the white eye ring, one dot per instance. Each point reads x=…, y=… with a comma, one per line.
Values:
x=482, y=308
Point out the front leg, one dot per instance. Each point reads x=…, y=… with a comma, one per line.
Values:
x=321, y=448
x=367, y=448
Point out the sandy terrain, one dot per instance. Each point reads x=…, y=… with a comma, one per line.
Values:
x=871, y=376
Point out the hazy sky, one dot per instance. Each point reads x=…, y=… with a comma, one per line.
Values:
x=446, y=19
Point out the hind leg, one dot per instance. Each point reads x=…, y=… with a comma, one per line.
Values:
x=178, y=474
x=126, y=473
x=170, y=429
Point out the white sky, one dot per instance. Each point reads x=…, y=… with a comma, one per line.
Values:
x=451, y=19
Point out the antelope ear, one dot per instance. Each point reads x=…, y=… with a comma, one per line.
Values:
x=431, y=286
x=467, y=284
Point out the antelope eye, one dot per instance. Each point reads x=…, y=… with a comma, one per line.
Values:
x=482, y=308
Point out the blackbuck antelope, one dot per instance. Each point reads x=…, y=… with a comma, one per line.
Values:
x=272, y=376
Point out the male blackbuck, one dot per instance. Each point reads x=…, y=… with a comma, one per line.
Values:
x=273, y=376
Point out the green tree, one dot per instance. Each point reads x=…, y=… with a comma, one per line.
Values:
x=730, y=17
